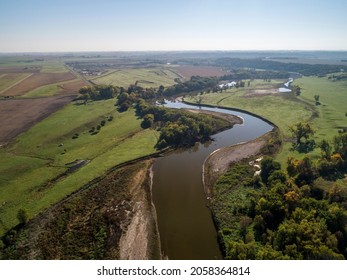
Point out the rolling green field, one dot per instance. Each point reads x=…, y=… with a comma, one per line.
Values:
x=145, y=77
x=34, y=165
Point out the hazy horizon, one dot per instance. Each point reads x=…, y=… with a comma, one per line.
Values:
x=190, y=25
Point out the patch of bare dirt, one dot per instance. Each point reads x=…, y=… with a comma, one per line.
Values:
x=261, y=92
x=219, y=161
x=18, y=115
x=36, y=80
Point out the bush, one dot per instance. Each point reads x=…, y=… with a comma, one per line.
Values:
x=22, y=216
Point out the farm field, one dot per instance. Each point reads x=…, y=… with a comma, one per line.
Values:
x=204, y=71
x=37, y=80
x=10, y=79
x=144, y=77
x=36, y=163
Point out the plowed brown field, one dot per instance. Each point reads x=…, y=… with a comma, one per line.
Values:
x=18, y=115
x=37, y=80
x=204, y=71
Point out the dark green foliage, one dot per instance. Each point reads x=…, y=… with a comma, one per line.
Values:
x=304, y=69
x=177, y=127
x=290, y=218
x=22, y=216
x=148, y=121
x=268, y=166
x=302, y=133
x=98, y=92
x=75, y=136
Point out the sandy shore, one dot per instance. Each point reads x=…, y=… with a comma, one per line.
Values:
x=140, y=240
x=219, y=161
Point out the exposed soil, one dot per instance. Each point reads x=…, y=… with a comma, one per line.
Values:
x=141, y=241
x=204, y=71
x=36, y=80
x=219, y=161
x=261, y=92
x=18, y=115
x=110, y=218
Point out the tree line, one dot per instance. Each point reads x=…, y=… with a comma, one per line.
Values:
x=302, y=68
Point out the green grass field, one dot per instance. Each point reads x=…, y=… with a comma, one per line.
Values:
x=38, y=156
x=145, y=77
x=284, y=110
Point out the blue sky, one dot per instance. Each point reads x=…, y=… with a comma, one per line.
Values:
x=130, y=25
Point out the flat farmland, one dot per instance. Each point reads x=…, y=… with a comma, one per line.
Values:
x=144, y=77
x=37, y=80
x=9, y=79
x=70, y=87
x=204, y=71
x=18, y=115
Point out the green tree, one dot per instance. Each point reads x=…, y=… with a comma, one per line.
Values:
x=22, y=216
x=326, y=149
x=268, y=166
x=148, y=121
x=302, y=132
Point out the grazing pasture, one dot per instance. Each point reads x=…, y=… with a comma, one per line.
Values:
x=36, y=165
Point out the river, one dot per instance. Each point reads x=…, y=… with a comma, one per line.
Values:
x=185, y=223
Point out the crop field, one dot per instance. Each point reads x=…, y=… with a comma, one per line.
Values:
x=36, y=80
x=144, y=77
x=35, y=165
x=66, y=88
x=204, y=71
x=10, y=79
x=18, y=115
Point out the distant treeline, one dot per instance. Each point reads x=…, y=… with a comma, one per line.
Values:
x=253, y=74
x=304, y=69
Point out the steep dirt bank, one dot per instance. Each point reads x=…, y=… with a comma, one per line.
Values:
x=111, y=218
x=140, y=241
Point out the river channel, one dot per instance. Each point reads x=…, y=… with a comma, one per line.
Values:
x=184, y=220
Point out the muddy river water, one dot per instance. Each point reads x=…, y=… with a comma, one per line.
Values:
x=185, y=224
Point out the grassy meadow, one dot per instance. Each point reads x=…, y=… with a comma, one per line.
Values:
x=34, y=164
x=284, y=110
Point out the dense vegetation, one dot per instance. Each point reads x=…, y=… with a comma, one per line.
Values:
x=98, y=92
x=285, y=215
x=177, y=128
x=304, y=69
